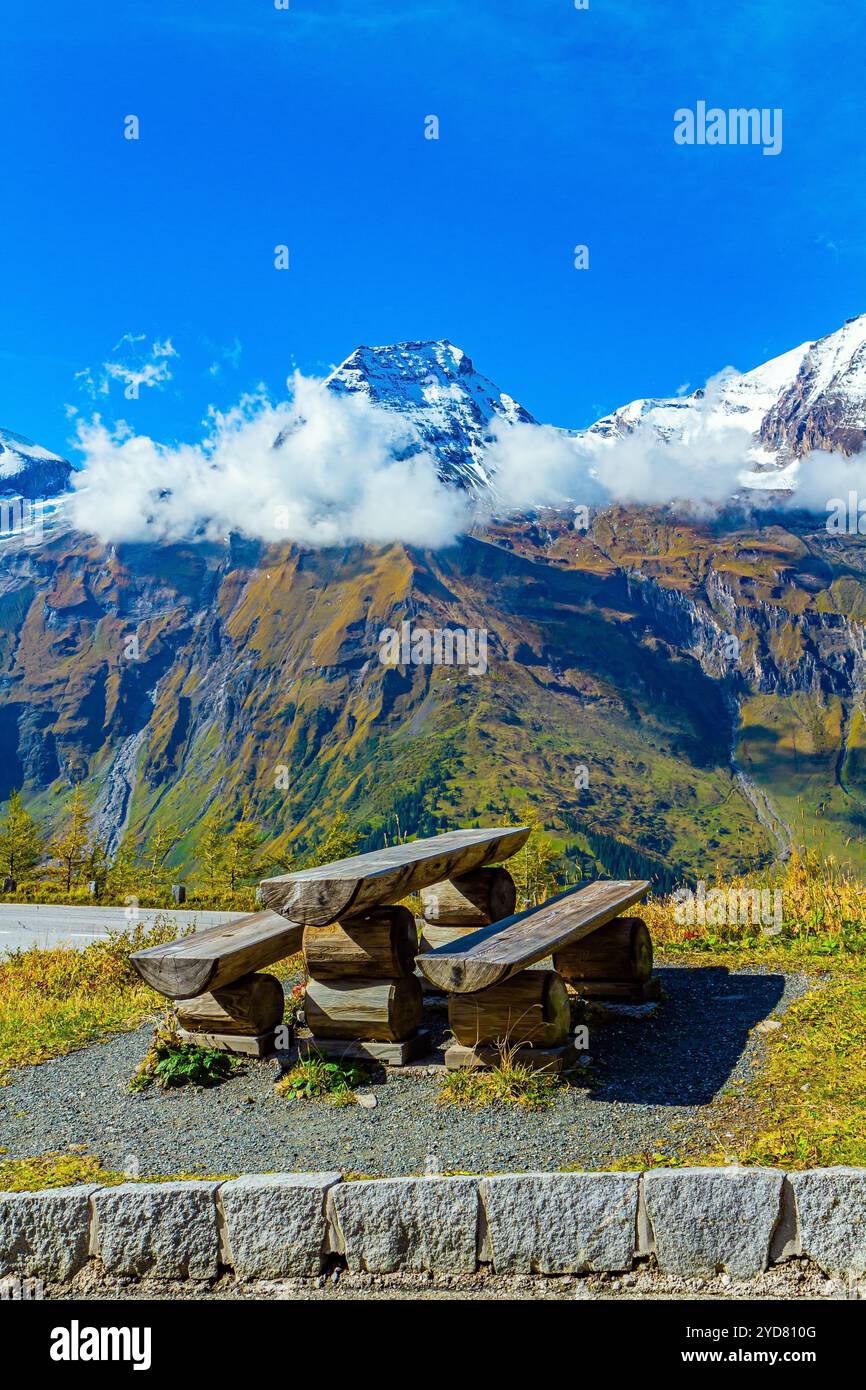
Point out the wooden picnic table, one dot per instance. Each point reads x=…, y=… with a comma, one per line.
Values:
x=363, y=996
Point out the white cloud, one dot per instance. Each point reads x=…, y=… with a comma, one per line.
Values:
x=339, y=475
x=537, y=465
x=697, y=474
x=821, y=477
x=348, y=470
x=138, y=367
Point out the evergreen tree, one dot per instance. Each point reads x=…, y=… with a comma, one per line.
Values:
x=21, y=840
x=241, y=850
x=535, y=869
x=339, y=843
x=212, y=848
x=94, y=865
x=124, y=873
x=160, y=842
x=70, y=847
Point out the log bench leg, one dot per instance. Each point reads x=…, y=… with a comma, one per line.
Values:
x=460, y=905
x=526, y=1019
x=363, y=1000
x=613, y=963
x=241, y=1018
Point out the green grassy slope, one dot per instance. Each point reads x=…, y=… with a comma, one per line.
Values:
x=258, y=681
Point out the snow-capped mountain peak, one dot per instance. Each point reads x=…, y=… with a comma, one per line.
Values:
x=28, y=470
x=824, y=406
x=435, y=385
x=811, y=397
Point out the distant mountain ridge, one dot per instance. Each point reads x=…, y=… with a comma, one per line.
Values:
x=711, y=676
x=811, y=397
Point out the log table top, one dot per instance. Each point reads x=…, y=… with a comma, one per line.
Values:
x=316, y=897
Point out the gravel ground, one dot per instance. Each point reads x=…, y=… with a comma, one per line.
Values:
x=653, y=1078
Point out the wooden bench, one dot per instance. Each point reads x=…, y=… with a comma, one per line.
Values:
x=208, y=960
x=497, y=1003
x=212, y=976
x=492, y=954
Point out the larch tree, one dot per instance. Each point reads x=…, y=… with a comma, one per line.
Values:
x=70, y=846
x=21, y=840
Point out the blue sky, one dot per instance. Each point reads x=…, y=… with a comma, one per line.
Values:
x=305, y=127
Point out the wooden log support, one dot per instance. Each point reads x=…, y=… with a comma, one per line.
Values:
x=622, y=952
x=532, y=1007
x=470, y=900
x=434, y=937
x=251, y=1006
x=330, y=892
x=380, y=944
x=461, y=905
x=241, y=1044
x=387, y=1054
x=367, y=1010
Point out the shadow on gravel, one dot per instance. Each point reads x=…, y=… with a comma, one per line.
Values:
x=685, y=1052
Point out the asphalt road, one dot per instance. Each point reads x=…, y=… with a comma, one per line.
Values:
x=47, y=924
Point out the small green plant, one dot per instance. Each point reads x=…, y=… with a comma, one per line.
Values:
x=171, y=1062
x=314, y=1077
x=511, y=1083
x=294, y=1004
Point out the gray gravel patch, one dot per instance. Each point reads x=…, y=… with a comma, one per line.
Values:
x=651, y=1081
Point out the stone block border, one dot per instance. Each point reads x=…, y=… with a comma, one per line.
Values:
x=692, y=1221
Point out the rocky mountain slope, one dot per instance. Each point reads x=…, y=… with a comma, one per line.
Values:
x=666, y=696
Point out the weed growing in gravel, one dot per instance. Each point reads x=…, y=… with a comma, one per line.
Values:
x=511, y=1083
x=294, y=1004
x=170, y=1062
x=316, y=1078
